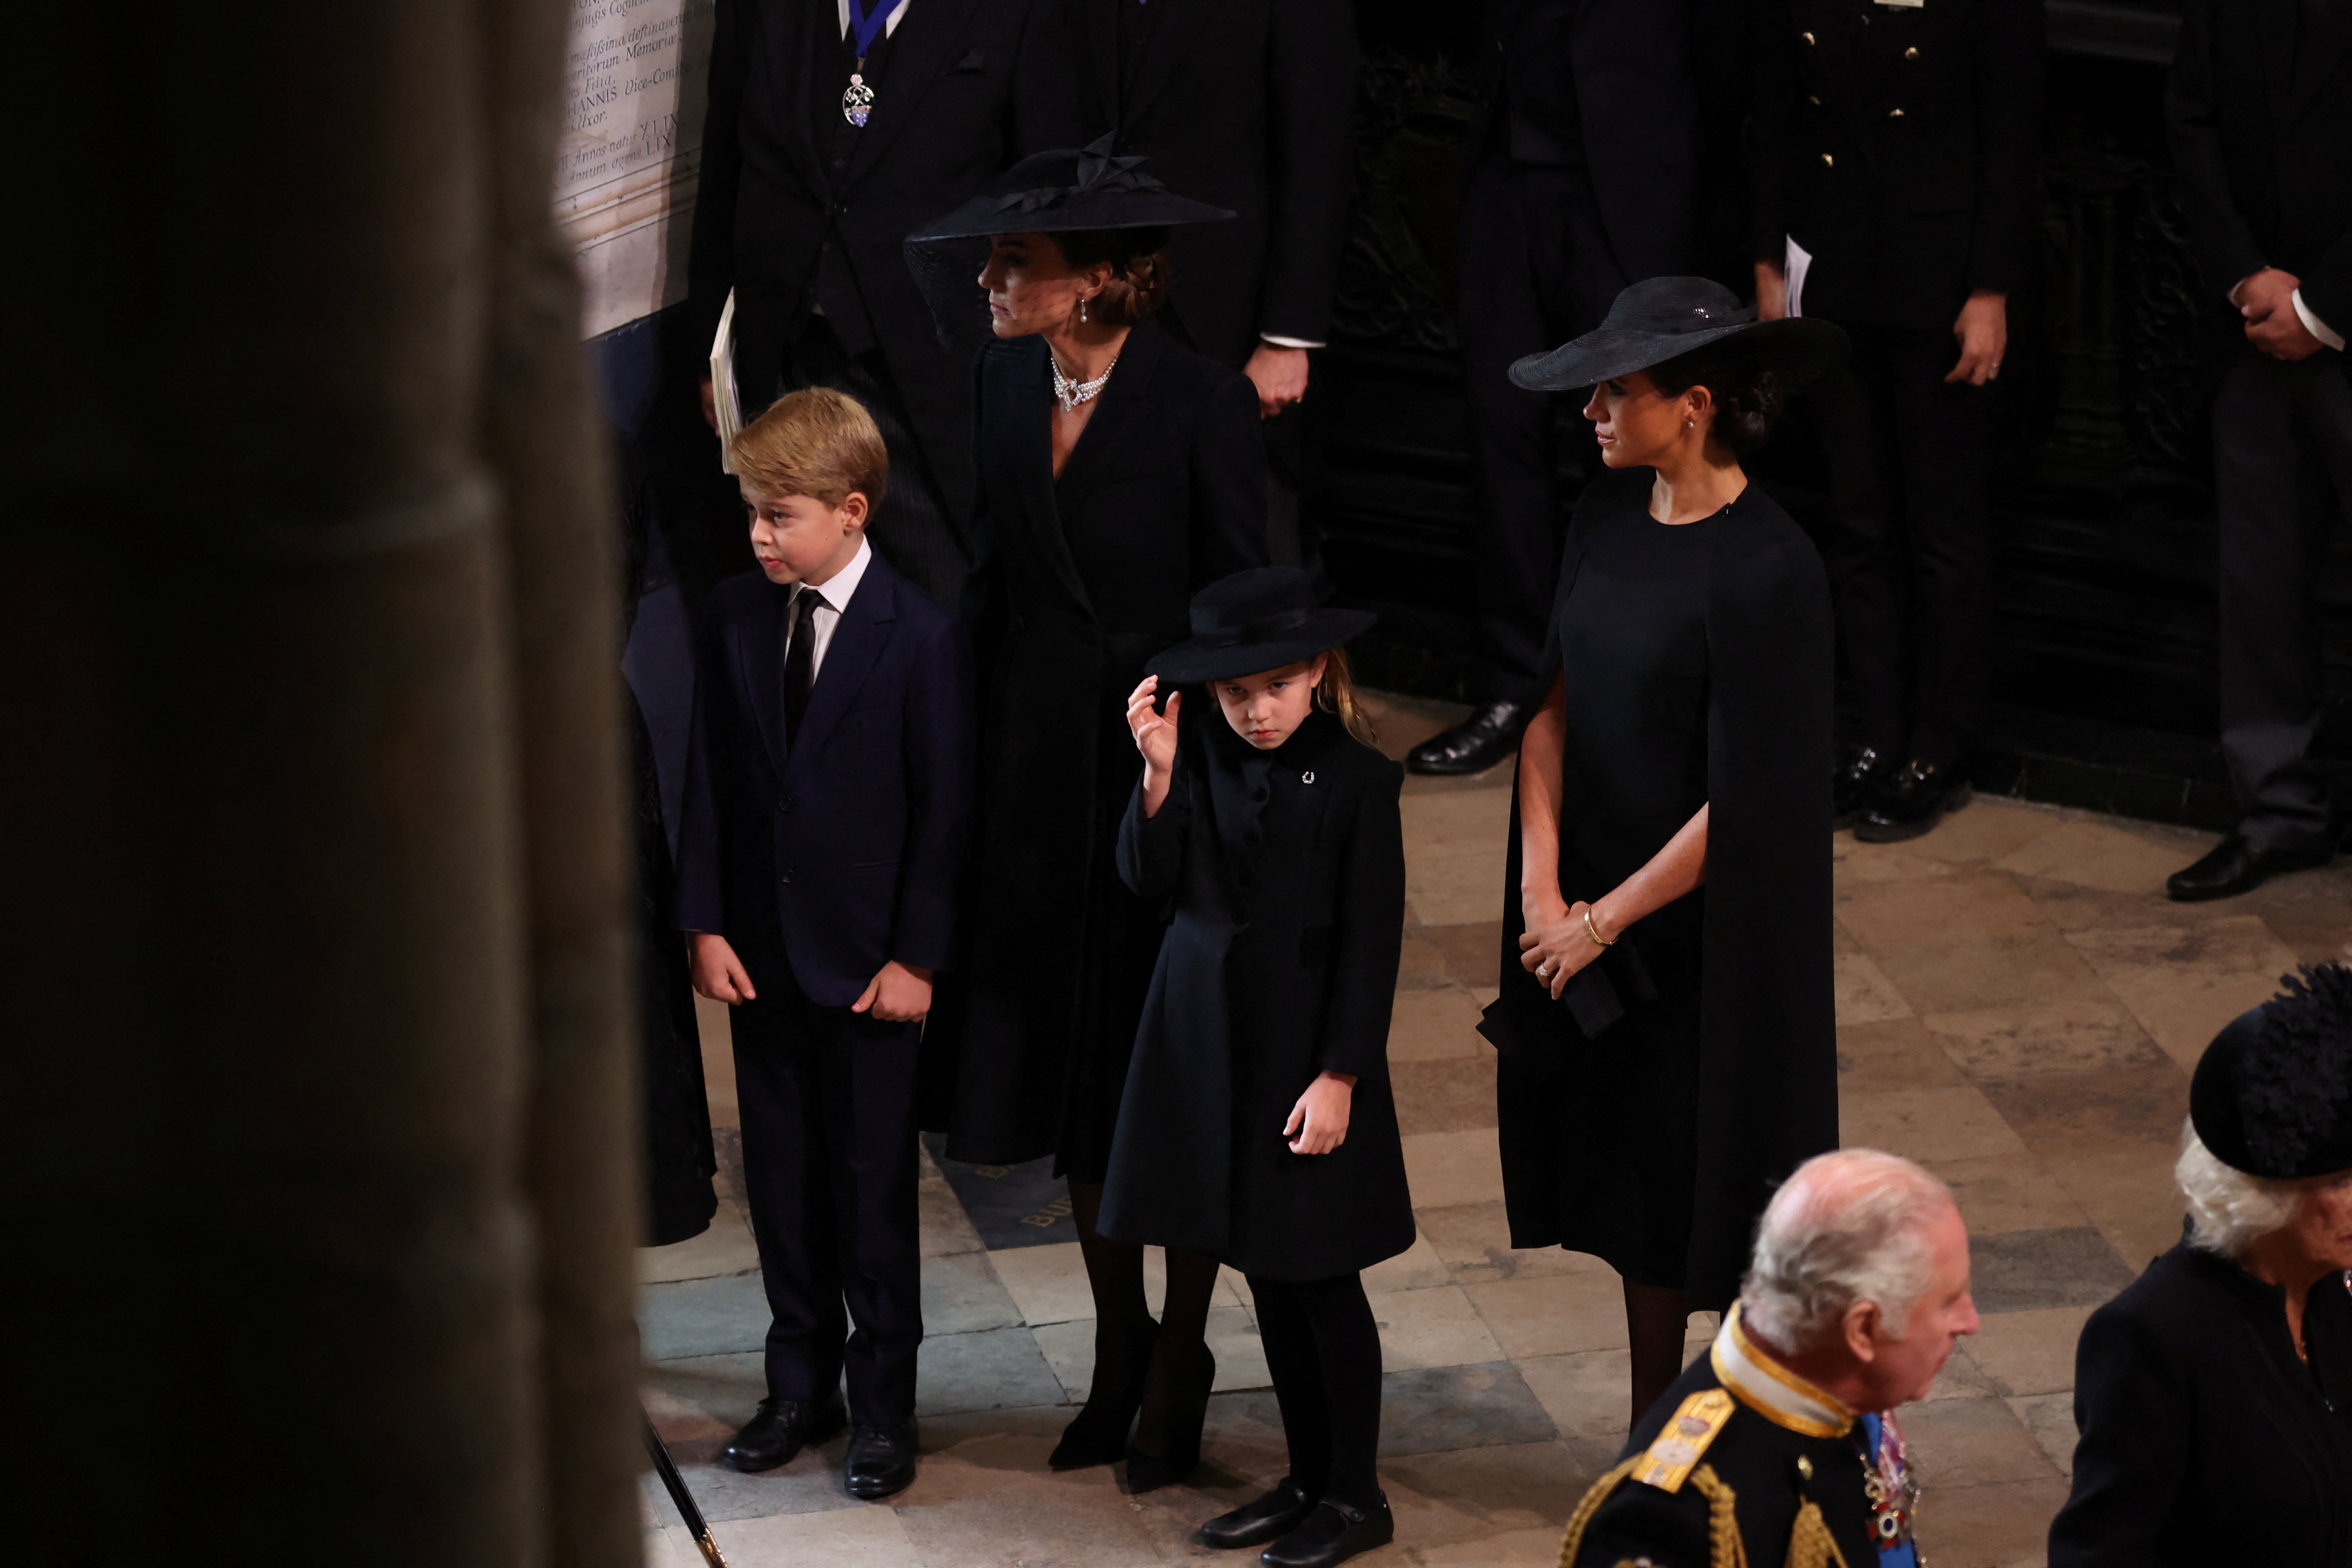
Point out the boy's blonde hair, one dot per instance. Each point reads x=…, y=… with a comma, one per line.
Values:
x=816, y=442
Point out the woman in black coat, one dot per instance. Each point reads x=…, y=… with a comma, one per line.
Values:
x=1669, y=1049
x=2214, y=1395
x=1258, y=1123
x=1116, y=474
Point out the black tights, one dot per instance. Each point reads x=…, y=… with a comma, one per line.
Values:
x=1654, y=1323
x=1123, y=1318
x=1324, y=1349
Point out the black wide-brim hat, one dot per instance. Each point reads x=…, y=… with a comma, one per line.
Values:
x=1660, y=319
x=1253, y=621
x=1055, y=193
x=2273, y=1094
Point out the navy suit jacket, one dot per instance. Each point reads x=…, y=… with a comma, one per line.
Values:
x=842, y=852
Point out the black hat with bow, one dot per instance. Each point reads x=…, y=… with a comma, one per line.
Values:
x=1054, y=193
x=1660, y=319
x=2273, y=1094
x=1253, y=621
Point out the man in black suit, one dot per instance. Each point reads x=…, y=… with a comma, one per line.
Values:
x=2260, y=106
x=1583, y=178
x=1898, y=146
x=1247, y=105
x=802, y=209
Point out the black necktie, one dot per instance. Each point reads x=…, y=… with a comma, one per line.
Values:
x=800, y=638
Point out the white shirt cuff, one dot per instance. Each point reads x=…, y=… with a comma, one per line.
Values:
x=2314, y=326
x=1278, y=340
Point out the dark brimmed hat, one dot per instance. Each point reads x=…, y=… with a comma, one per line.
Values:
x=1055, y=193
x=1256, y=620
x=1660, y=319
x=2273, y=1094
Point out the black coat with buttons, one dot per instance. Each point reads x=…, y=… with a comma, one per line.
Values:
x=1899, y=145
x=1283, y=874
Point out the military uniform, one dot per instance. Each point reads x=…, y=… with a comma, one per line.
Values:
x=1744, y=1463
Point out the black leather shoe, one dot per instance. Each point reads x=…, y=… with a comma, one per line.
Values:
x=1473, y=746
x=1098, y=1434
x=1861, y=773
x=2234, y=866
x=1332, y=1534
x=1913, y=802
x=1270, y=1518
x=780, y=1431
x=881, y=1460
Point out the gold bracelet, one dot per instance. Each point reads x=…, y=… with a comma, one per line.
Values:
x=1594, y=931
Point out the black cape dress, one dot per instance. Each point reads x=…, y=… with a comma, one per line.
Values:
x=1648, y=1116
x=1078, y=582
x=1283, y=872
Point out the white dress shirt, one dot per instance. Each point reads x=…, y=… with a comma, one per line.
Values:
x=821, y=619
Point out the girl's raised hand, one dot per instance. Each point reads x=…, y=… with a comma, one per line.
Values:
x=1155, y=734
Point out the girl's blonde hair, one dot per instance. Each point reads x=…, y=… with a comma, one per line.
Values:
x=1337, y=696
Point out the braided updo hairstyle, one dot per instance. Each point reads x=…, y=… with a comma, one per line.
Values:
x=1748, y=397
x=1139, y=273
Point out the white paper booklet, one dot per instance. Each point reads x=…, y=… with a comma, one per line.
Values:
x=1800, y=261
x=722, y=384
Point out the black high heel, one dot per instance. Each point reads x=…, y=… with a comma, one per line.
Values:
x=1097, y=1434
x=1188, y=1411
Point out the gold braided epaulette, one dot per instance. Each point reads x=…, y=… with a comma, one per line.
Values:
x=1725, y=1549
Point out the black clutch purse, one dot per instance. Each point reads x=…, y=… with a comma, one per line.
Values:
x=1536, y=1034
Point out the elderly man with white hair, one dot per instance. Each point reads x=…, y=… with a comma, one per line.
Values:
x=2214, y=1395
x=1776, y=1448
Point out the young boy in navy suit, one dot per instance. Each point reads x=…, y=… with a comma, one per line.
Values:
x=828, y=791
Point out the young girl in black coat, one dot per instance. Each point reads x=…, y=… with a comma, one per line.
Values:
x=1256, y=1123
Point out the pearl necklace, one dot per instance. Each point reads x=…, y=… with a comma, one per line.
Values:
x=1070, y=393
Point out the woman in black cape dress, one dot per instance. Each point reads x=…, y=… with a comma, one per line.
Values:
x=1690, y=1062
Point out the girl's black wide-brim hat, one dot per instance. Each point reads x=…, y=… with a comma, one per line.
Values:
x=2273, y=1094
x=1256, y=620
x=1660, y=319
x=1055, y=193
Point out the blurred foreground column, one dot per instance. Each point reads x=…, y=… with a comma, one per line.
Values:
x=316, y=1145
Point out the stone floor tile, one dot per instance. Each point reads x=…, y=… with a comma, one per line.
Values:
x=1454, y=874
x=2002, y=1524
x=2315, y=931
x=1435, y=1327
x=2109, y=1141
x=985, y=1499
x=696, y=1397
x=1854, y=863
x=1418, y=1268
x=2029, y=1270
x=1959, y=1378
x=717, y=1038
x=962, y=1295
x=853, y=1537
x=1439, y=1025
x=2051, y=1418
x=1500, y=1505
x=1587, y=1393
x=2183, y=984
x=726, y=1247
x=669, y=1546
x=1473, y=950
x=2106, y=854
x=988, y=1370
x=1986, y=830
x=1926, y=1124
x=1991, y=973
x=2028, y=1353
x=1069, y=1350
x=1896, y=1053
x=1047, y=1284
x=1553, y=1315
x=1445, y=1169
x=1456, y=1095
x=2033, y=1039
x=1532, y=1546
x=2008, y=1192
x=1401, y=722
x=1437, y=1409
x=702, y=1317
x=1420, y=966
x=1233, y=1340
x=1864, y=994
x=1968, y=907
x=2128, y=1194
x=1970, y=1442
x=2072, y=908
x=1474, y=1242
x=946, y=1229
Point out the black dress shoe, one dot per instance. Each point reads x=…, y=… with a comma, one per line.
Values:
x=2234, y=866
x=1270, y=1518
x=780, y=1429
x=1097, y=1434
x=1861, y=773
x=881, y=1460
x=1332, y=1534
x=1473, y=746
x=1913, y=802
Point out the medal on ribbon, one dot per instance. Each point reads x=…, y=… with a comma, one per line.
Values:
x=857, y=98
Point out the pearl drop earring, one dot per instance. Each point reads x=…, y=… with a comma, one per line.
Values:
x=1082, y=309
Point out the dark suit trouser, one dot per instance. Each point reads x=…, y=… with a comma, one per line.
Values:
x=1536, y=270
x=2282, y=468
x=1908, y=541
x=914, y=528
x=827, y=1097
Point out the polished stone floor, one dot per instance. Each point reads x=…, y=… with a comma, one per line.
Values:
x=2018, y=1005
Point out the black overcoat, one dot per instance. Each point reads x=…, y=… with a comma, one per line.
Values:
x=1076, y=584
x=1248, y=105
x=2204, y=1438
x=1899, y=145
x=1283, y=875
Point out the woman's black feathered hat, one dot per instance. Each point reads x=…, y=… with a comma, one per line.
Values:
x=1252, y=621
x=2273, y=1094
x=1660, y=319
x=1055, y=193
